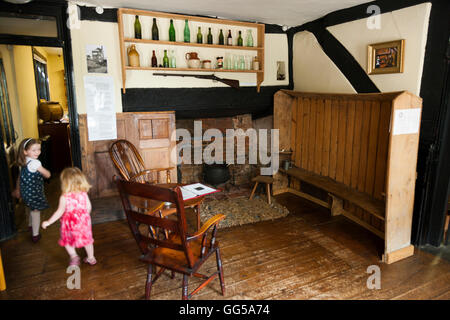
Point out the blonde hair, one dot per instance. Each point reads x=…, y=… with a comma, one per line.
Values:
x=24, y=146
x=73, y=180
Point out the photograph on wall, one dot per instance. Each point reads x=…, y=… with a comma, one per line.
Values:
x=386, y=57
x=281, y=73
x=96, y=59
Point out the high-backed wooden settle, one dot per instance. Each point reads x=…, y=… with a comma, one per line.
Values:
x=344, y=144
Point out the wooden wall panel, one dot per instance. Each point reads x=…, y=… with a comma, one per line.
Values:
x=326, y=138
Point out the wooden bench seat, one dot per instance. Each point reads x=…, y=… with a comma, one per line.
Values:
x=362, y=200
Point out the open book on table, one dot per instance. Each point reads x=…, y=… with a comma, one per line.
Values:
x=195, y=190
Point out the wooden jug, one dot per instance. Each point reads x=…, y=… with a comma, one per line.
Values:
x=133, y=56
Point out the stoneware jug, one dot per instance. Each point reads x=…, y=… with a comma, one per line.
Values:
x=192, y=60
x=133, y=56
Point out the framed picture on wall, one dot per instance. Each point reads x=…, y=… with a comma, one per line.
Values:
x=385, y=57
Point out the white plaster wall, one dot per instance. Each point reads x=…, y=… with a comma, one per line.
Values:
x=410, y=24
x=313, y=69
x=106, y=34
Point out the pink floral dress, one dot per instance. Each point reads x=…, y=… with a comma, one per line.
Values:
x=76, y=228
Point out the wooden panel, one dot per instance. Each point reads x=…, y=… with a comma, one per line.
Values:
x=305, y=133
x=160, y=129
x=312, y=134
x=282, y=111
x=349, y=144
x=293, y=131
x=299, y=131
x=357, y=142
x=401, y=177
x=334, y=138
x=319, y=136
x=342, y=127
x=145, y=129
x=326, y=138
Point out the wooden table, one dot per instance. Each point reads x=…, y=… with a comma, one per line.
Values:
x=194, y=203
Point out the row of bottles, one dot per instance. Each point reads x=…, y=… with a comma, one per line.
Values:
x=187, y=34
x=231, y=62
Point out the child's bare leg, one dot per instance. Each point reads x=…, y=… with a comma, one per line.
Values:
x=35, y=221
x=71, y=251
x=90, y=251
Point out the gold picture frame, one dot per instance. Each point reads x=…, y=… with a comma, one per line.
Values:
x=385, y=57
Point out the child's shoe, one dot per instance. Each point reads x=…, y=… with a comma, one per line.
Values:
x=35, y=238
x=90, y=261
x=74, y=261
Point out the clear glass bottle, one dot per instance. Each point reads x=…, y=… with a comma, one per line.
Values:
x=249, y=38
x=187, y=32
x=199, y=35
x=171, y=31
x=172, y=59
x=155, y=31
x=137, y=29
x=241, y=63
x=165, y=60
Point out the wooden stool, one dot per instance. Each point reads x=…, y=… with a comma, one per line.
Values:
x=2, y=275
x=263, y=179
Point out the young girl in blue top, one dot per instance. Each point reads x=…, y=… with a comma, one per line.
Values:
x=31, y=185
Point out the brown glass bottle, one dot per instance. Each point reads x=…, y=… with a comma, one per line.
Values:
x=154, y=60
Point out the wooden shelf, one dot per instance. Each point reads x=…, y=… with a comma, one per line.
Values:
x=191, y=44
x=259, y=49
x=191, y=69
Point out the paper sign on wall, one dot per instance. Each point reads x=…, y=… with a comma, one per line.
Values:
x=100, y=107
x=406, y=121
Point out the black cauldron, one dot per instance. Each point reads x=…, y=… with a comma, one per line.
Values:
x=216, y=173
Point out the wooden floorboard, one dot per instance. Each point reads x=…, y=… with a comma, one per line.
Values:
x=306, y=255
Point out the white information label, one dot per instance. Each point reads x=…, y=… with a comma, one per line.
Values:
x=406, y=121
x=100, y=107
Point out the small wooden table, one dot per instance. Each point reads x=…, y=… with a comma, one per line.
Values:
x=194, y=203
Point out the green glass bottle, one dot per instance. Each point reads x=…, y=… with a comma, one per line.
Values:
x=171, y=31
x=187, y=32
x=155, y=31
x=221, y=38
x=199, y=35
x=137, y=29
x=165, y=60
x=209, y=37
x=239, y=41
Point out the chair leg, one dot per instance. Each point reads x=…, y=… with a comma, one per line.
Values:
x=148, y=284
x=268, y=193
x=253, y=191
x=220, y=269
x=184, y=295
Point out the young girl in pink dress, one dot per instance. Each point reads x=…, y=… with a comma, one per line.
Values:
x=74, y=210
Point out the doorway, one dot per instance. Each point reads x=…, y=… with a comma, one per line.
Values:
x=36, y=26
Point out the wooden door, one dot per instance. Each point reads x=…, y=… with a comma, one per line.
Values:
x=150, y=132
